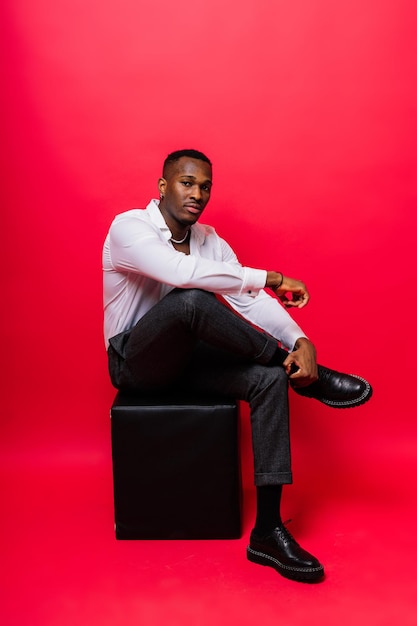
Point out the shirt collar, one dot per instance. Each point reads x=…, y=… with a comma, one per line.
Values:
x=156, y=217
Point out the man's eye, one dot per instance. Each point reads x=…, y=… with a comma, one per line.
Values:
x=205, y=188
x=186, y=183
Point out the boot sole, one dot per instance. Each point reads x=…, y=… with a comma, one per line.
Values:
x=299, y=574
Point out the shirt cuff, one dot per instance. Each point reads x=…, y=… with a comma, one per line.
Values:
x=253, y=281
x=290, y=336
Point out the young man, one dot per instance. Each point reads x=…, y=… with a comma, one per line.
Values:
x=165, y=325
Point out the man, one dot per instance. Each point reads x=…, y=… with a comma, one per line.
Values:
x=180, y=310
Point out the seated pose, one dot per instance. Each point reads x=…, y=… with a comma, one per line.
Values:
x=182, y=312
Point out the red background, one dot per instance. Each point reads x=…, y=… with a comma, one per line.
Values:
x=308, y=112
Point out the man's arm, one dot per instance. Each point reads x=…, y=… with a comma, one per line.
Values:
x=300, y=365
x=265, y=312
x=134, y=245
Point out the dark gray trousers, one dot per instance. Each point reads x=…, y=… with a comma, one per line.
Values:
x=192, y=341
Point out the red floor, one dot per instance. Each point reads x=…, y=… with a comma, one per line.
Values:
x=352, y=504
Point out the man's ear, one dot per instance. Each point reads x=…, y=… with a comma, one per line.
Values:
x=162, y=183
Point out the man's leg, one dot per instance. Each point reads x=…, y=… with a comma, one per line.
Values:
x=156, y=351
x=265, y=388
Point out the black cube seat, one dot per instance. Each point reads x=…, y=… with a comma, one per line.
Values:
x=176, y=467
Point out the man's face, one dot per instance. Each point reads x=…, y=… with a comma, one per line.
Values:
x=186, y=190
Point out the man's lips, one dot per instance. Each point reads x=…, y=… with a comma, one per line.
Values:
x=193, y=208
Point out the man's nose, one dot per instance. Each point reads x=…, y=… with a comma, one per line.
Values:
x=196, y=192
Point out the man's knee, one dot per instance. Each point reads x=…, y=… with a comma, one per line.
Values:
x=276, y=375
x=185, y=302
x=262, y=379
x=192, y=296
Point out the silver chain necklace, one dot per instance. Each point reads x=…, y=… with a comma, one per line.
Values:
x=180, y=240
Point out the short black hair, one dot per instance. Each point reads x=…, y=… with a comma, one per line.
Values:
x=190, y=153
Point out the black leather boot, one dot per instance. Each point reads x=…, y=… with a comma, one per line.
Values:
x=280, y=550
x=340, y=391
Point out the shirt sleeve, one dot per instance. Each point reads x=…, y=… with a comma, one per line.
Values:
x=136, y=246
x=263, y=310
x=267, y=313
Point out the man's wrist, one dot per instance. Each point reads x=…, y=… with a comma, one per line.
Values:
x=274, y=280
x=299, y=342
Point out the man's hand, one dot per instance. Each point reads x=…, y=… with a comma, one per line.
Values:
x=283, y=285
x=302, y=361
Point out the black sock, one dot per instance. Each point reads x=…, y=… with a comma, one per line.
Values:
x=268, y=503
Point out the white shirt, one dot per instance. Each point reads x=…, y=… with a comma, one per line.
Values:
x=141, y=266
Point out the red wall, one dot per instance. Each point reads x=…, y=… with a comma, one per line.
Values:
x=308, y=111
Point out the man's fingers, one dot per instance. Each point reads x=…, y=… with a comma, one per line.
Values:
x=297, y=299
